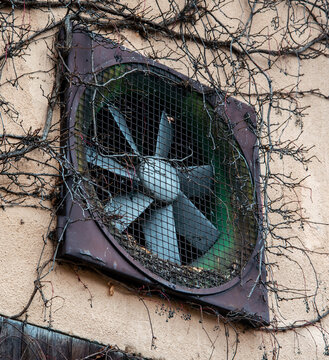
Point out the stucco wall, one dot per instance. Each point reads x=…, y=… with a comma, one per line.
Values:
x=88, y=304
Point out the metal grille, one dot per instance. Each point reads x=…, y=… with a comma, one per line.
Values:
x=166, y=176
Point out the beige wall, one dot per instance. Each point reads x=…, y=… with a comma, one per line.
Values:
x=79, y=301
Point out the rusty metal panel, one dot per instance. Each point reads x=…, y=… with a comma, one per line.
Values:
x=10, y=339
x=35, y=340
x=79, y=349
x=24, y=341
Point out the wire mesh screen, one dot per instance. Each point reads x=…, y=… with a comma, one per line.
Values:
x=166, y=176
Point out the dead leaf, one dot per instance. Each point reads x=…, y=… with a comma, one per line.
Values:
x=111, y=288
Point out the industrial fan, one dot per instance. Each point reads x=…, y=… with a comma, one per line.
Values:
x=163, y=189
x=167, y=174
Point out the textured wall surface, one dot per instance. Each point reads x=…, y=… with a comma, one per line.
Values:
x=88, y=304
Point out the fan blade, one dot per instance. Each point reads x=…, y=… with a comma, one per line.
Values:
x=108, y=164
x=121, y=122
x=197, y=180
x=127, y=208
x=160, y=234
x=191, y=223
x=164, y=138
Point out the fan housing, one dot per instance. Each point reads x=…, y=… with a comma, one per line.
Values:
x=171, y=194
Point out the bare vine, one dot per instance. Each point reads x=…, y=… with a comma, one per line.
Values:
x=203, y=38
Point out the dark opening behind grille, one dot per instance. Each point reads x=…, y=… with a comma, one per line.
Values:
x=166, y=176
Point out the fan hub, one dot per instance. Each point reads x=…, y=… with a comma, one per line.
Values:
x=160, y=179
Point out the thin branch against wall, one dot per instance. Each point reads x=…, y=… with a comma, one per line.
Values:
x=203, y=39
